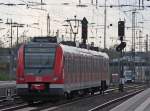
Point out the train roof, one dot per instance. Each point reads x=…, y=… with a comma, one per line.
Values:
x=76, y=50
x=70, y=49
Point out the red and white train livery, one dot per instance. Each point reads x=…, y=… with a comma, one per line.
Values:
x=53, y=69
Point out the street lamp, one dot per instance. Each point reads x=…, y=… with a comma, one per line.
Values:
x=17, y=25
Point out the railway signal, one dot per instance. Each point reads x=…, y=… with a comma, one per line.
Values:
x=121, y=46
x=121, y=29
x=121, y=33
x=84, y=30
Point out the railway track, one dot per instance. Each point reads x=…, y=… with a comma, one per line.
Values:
x=12, y=108
x=6, y=102
x=87, y=102
x=78, y=105
x=104, y=105
x=49, y=106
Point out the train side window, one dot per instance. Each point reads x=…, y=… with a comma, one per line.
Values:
x=80, y=64
x=93, y=60
x=96, y=65
x=76, y=64
x=83, y=64
x=104, y=65
x=71, y=66
x=64, y=63
x=99, y=63
x=72, y=63
x=68, y=64
x=91, y=65
x=86, y=64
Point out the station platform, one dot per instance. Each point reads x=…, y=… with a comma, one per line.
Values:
x=139, y=102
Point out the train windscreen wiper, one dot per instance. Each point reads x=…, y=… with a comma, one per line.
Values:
x=40, y=70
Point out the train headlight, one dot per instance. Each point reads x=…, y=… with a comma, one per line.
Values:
x=55, y=78
x=21, y=78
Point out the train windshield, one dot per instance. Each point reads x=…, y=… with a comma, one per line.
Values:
x=39, y=60
x=128, y=74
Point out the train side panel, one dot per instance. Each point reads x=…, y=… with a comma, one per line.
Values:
x=84, y=71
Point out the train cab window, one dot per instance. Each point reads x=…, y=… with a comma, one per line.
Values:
x=39, y=60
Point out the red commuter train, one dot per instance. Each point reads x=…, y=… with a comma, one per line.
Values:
x=49, y=70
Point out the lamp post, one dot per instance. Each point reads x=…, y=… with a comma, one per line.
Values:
x=105, y=19
x=17, y=25
x=12, y=24
x=11, y=51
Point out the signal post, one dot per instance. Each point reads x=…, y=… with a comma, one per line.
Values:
x=119, y=48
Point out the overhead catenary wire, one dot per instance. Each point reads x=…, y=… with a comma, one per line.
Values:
x=69, y=4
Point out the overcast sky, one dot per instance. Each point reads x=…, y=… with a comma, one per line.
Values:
x=59, y=12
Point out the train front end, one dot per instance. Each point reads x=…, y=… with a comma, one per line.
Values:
x=39, y=71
